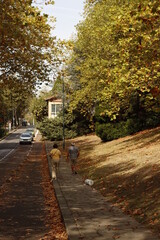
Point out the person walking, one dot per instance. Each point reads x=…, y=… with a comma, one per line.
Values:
x=72, y=155
x=55, y=155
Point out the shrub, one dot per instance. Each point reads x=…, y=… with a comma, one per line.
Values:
x=152, y=120
x=2, y=132
x=114, y=130
x=52, y=129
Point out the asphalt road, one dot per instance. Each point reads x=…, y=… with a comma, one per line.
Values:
x=9, y=144
x=22, y=203
x=12, y=154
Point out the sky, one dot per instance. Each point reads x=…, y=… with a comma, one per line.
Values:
x=68, y=13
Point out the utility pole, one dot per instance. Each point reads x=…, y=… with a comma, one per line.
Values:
x=63, y=113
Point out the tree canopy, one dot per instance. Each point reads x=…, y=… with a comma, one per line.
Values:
x=27, y=49
x=116, y=56
x=26, y=46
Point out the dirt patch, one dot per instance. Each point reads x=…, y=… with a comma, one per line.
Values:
x=127, y=172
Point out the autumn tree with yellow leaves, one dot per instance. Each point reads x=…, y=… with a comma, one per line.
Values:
x=116, y=63
x=27, y=52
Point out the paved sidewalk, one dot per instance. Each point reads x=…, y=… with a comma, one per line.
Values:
x=87, y=214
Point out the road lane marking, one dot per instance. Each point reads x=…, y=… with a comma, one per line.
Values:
x=7, y=155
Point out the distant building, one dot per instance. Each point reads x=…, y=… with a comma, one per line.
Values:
x=54, y=106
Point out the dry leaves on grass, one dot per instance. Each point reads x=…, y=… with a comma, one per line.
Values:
x=126, y=171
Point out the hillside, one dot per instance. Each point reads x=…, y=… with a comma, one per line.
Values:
x=126, y=171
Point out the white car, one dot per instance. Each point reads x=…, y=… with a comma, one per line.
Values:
x=31, y=131
x=25, y=138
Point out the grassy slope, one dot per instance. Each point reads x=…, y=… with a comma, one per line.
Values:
x=126, y=171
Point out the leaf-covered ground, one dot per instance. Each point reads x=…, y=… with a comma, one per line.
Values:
x=28, y=204
x=127, y=172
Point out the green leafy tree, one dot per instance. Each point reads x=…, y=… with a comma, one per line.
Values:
x=38, y=108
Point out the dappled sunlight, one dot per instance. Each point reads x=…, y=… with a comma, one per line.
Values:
x=126, y=171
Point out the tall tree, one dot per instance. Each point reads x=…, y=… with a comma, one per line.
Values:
x=116, y=54
x=26, y=46
x=27, y=49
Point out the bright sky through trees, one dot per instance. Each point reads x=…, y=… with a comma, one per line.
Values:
x=67, y=13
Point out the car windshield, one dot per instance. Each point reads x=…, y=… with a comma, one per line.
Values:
x=25, y=135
